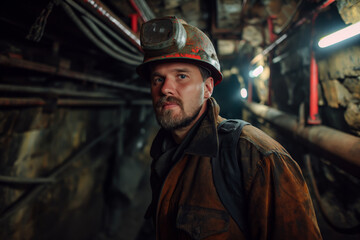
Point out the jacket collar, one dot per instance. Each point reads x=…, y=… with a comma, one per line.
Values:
x=205, y=142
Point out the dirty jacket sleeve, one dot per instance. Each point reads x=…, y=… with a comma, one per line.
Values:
x=279, y=204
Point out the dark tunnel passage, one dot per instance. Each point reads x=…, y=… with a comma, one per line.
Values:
x=77, y=122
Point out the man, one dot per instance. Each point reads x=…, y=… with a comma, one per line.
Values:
x=182, y=67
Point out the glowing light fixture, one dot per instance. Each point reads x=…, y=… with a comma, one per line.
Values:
x=243, y=93
x=340, y=35
x=256, y=72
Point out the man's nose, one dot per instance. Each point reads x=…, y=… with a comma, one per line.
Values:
x=168, y=87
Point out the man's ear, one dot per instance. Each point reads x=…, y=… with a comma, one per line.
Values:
x=208, y=87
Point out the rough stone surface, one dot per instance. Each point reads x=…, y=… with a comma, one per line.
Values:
x=341, y=64
x=353, y=85
x=352, y=115
x=349, y=10
x=335, y=93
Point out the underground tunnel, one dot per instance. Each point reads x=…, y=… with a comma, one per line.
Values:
x=77, y=121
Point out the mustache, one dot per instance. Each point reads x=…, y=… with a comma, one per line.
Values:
x=167, y=99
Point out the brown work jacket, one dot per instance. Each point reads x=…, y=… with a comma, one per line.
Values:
x=185, y=201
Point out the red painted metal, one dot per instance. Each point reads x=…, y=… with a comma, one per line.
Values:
x=134, y=22
x=250, y=91
x=314, y=117
x=279, y=40
x=273, y=37
x=137, y=9
x=327, y=3
x=186, y=55
x=103, y=12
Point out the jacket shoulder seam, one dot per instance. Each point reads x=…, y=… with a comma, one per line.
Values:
x=264, y=151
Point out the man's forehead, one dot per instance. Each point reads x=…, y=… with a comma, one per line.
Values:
x=173, y=67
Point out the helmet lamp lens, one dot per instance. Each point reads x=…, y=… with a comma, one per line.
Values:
x=156, y=32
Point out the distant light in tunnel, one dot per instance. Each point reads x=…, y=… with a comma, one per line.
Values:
x=340, y=35
x=243, y=93
x=256, y=72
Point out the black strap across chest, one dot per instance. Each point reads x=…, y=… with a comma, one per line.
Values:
x=227, y=173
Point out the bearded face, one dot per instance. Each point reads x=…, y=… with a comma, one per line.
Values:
x=170, y=119
x=177, y=91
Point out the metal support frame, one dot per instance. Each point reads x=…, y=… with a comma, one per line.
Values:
x=284, y=36
x=40, y=67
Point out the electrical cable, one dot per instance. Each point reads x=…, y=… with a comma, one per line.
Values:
x=96, y=41
x=33, y=193
x=351, y=230
x=103, y=26
x=98, y=32
x=144, y=9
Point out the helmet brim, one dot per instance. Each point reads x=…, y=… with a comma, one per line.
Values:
x=143, y=70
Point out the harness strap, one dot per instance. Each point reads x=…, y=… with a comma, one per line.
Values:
x=227, y=173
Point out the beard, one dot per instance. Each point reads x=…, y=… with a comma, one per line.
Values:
x=168, y=120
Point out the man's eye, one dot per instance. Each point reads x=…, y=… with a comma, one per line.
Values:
x=182, y=76
x=158, y=80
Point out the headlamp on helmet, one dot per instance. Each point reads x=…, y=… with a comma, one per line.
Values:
x=166, y=35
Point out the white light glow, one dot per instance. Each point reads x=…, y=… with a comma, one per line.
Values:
x=243, y=93
x=340, y=35
x=256, y=72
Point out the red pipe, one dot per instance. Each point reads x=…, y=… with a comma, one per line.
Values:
x=250, y=90
x=314, y=117
x=97, y=7
x=314, y=81
x=137, y=9
x=272, y=39
x=134, y=22
x=327, y=4
x=300, y=22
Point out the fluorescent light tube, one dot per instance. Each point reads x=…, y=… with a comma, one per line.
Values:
x=340, y=35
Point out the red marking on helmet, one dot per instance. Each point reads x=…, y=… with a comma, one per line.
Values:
x=195, y=50
x=182, y=55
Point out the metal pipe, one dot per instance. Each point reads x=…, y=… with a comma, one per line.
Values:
x=107, y=40
x=40, y=67
x=145, y=9
x=94, y=39
x=291, y=31
x=140, y=13
x=23, y=180
x=272, y=39
x=54, y=92
x=70, y=102
x=314, y=117
x=22, y=102
x=103, y=26
x=100, y=10
x=343, y=146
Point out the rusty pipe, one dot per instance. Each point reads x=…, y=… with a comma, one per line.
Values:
x=79, y=76
x=343, y=146
x=104, y=13
x=71, y=102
